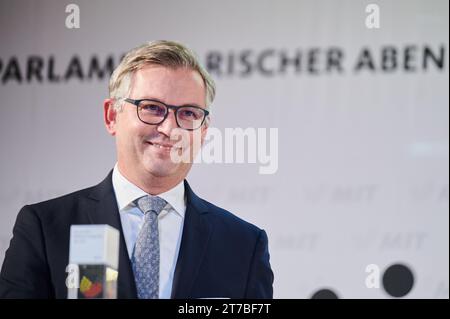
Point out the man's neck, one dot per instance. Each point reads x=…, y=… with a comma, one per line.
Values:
x=151, y=184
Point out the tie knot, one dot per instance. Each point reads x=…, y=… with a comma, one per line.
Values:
x=150, y=203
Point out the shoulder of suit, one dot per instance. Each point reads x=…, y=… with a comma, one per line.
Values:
x=224, y=216
x=64, y=202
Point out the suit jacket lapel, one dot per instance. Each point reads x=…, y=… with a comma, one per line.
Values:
x=194, y=242
x=196, y=233
x=106, y=212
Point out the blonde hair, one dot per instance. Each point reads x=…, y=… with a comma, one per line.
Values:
x=164, y=53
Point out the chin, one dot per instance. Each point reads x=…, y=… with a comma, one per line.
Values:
x=161, y=169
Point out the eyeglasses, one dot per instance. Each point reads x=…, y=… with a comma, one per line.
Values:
x=188, y=117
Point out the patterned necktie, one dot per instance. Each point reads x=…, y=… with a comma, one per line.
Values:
x=145, y=260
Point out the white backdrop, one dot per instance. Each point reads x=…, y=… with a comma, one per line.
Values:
x=363, y=154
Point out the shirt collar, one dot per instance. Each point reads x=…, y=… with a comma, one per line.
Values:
x=126, y=193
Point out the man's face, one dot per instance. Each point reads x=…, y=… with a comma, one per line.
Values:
x=138, y=144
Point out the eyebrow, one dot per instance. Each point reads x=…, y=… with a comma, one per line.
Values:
x=158, y=100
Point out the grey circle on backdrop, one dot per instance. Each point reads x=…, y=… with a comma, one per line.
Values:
x=324, y=294
x=398, y=280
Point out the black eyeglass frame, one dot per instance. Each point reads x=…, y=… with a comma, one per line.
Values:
x=175, y=109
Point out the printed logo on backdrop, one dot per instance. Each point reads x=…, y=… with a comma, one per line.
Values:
x=339, y=194
x=429, y=192
x=391, y=241
x=299, y=242
x=368, y=193
x=240, y=63
x=52, y=69
x=323, y=61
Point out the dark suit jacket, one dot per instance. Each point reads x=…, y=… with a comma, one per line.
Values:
x=220, y=254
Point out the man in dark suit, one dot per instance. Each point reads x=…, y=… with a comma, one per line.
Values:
x=173, y=243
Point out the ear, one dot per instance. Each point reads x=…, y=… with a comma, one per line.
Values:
x=110, y=116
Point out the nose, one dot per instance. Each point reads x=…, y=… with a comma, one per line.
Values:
x=168, y=124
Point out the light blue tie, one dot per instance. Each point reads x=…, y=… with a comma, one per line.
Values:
x=145, y=260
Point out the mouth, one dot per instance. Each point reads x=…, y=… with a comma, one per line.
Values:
x=164, y=147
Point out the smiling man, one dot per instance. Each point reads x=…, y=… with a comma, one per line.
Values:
x=173, y=243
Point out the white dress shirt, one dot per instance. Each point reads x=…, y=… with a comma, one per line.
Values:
x=170, y=224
